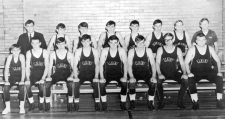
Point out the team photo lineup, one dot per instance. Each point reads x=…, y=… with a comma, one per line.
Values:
x=152, y=58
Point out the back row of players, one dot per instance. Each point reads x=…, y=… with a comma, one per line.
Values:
x=113, y=64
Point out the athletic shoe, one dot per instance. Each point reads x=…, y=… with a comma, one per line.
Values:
x=104, y=106
x=195, y=105
x=180, y=105
x=123, y=106
x=132, y=104
x=150, y=105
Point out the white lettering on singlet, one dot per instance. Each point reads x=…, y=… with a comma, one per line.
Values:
x=182, y=44
x=61, y=65
x=87, y=62
x=168, y=59
x=157, y=43
x=16, y=68
x=202, y=61
x=139, y=62
x=38, y=63
x=112, y=62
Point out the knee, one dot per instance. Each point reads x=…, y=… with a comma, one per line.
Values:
x=95, y=80
x=102, y=81
x=132, y=80
x=76, y=80
x=123, y=80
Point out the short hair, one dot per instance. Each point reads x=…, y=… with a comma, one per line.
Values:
x=168, y=34
x=178, y=22
x=29, y=22
x=111, y=23
x=85, y=37
x=14, y=46
x=200, y=35
x=60, y=40
x=134, y=22
x=139, y=38
x=83, y=24
x=61, y=25
x=203, y=19
x=157, y=21
x=113, y=37
x=35, y=38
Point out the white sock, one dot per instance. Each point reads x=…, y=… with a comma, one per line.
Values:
x=70, y=99
x=150, y=97
x=47, y=99
x=123, y=98
x=194, y=97
x=21, y=104
x=76, y=100
x=7, y=104
x=31, y=100
x=219, y=96
x=41, y=99
x=103, y=98
x=97, y=99
x=132, y=96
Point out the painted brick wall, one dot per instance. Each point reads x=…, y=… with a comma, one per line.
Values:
x=48, y=13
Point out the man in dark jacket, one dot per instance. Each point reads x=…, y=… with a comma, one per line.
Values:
x=24, y=39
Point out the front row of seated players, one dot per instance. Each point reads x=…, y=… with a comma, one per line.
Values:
x=113, y=66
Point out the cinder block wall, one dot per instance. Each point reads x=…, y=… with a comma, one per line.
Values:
x=48, y=13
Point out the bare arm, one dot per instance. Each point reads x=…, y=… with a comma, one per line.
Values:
x=67, y=38
x=130, y=62
x=100, y=42
x=216, y=58
x=51, y=43
x=118, y=34
x=123, y=55
x=188, y=39
x=95, y=52
x=51, y=60
x=188, y=58
x=70, y=59
x=28, y=56
x=152, y=61
x=181, y=60
x=6, y=72
x=76, y=60
x=158, y=60
x=94, y=42
x=127, y=39
x=75, y=44
x=23, y=63
x=216, y=47
x=46, y=58
x=102, y=61
x=148, y=40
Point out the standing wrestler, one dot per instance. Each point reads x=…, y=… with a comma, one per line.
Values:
x=139, y=59
x=201, y=68
x=15, y=65
x=113, y=66
x=166, y=59
x=130, y=39
x=83, y=29
x=36, y=71
x=25, y=39
x=155, y=40
x=87, y=60
x=104, y=37
x=181, y=39
x=60, y=32
x=63, y=61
